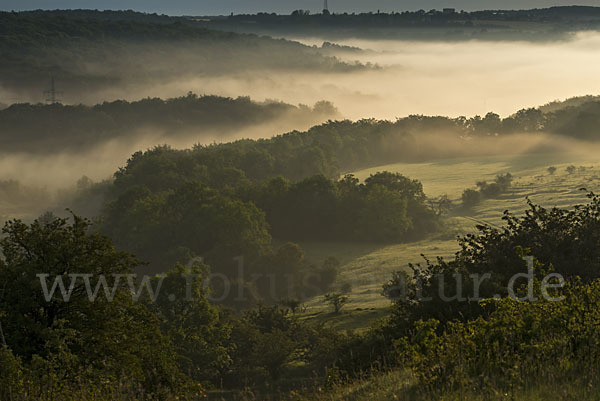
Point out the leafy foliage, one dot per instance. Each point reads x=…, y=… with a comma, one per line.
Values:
x=76, y=340
x=38, y=128
x=479, y=338
x=336, y=300
x=89, y=53
x=518, y=345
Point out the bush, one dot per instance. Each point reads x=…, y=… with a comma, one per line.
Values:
x=336, y=300
x=11, y=374
x=501, y=184
x=67, y=345
x=470, y=198
x=520, y=344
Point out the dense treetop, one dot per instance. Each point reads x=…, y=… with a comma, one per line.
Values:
x=86, y=52
x=38, y=128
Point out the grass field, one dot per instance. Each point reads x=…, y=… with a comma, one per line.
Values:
x=398, y=385
x=367, y=266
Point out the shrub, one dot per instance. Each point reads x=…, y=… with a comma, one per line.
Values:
x=336, y=300
x=11, y=374
x=470, y=198
x=518, y=344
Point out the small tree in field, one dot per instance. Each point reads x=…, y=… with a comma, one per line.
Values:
x=470, y=198
x=337, y=300
x=551, y=170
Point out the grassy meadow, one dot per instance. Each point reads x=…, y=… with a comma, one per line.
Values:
x=367, y=266
x=397, y=385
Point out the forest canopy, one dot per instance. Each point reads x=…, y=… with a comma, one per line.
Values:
x=39, y=128
x=86, y=53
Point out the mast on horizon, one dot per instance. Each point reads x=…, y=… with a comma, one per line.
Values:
x=51, y=93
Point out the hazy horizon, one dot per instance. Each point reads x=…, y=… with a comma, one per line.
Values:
x=223, y=7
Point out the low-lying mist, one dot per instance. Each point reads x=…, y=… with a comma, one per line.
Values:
x=426, y=78
x=438, y=146
x=36, y=178
x=54, y=169
x=430, y=78
x=50, y=182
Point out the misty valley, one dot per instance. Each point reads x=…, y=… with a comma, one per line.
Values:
x=309, y=207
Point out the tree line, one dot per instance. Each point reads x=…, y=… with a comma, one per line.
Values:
x=86, y=51
x=39, y=128
x=447, y=24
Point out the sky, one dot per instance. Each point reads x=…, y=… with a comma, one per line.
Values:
x=224, y=7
